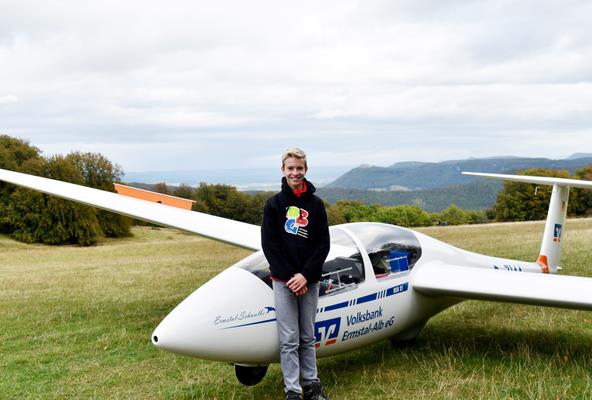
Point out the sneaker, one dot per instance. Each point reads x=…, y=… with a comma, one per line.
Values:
x=314, y=391
x=292, y=395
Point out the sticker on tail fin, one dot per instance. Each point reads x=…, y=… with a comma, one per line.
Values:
x=557, y=233
x=543, y=263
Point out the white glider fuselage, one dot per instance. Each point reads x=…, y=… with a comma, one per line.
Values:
x=231, y=318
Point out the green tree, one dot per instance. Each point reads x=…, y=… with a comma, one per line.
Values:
x=405, y=215
x=454, y=215
x=356, y=211
x=253, y=214
x=96, y=170
x=15, y=152
x=478, y=216
x=15, y=155
x=524, y=201
x=36, y=217
x=184, y=191
x=100, y=173
x=334, y=214
x=227, y=202
x=161, y=187
x=582, y=197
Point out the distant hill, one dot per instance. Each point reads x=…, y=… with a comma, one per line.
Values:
x=579, y=155
x=422, y=175
x=477, y=195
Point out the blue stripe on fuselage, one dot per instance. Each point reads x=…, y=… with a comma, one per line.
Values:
x=336, y=306
x=251, y=323
x=365, y=299
x=360, y=300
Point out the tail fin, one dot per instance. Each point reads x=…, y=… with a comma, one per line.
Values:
x=550, y=254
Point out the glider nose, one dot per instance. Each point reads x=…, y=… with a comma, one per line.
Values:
x=230, y=318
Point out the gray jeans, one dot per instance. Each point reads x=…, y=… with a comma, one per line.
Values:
x=295, y=321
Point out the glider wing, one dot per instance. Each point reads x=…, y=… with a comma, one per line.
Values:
x=537, y=180
x=222, y=229
x=440, y=279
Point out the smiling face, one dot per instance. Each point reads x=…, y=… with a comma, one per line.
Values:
x=294, y=170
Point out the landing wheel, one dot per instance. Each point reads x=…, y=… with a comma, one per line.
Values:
x=249, y=376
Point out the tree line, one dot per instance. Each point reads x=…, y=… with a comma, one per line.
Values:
x=228, y=202
x=526, y=202
x=31, y=216
x=515, y=202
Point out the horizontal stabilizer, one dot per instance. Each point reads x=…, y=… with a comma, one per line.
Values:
x=537, y=180
x=439, y=279
x=223, y=229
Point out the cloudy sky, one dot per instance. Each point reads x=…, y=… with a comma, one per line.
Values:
x=230, y=84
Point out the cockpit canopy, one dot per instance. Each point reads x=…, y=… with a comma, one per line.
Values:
x=392, y=251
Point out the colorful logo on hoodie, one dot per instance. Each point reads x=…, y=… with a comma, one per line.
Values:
x=296, y=220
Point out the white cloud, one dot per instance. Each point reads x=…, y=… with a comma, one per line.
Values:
x=8, y=99
x=355, y=82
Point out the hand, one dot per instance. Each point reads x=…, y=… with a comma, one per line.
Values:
x=297, y=283
x=302, y=291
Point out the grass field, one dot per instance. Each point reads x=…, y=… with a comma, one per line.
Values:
x=76, y=323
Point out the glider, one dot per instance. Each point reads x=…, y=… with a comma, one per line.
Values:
x=379, y=281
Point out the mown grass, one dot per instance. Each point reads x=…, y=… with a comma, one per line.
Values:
x=75, y=322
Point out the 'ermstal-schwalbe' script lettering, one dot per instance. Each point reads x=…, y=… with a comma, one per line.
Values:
x=239, y=316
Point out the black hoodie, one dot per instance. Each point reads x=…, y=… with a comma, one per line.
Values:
x=295, y=234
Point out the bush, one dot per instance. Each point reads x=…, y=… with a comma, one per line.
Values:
x=454, y=215
x=99, y=173
x=407, y=216
x=34, y=217
x=227, y=202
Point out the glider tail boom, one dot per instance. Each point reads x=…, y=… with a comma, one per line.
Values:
x=550, y=254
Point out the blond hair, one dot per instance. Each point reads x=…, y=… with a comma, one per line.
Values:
x=296, y=153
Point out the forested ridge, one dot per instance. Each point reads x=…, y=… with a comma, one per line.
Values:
x=424, y=175
x=477, y=195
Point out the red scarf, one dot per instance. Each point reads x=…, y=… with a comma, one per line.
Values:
x=299, y=192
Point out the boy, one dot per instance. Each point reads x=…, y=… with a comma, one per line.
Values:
x=295, y=240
